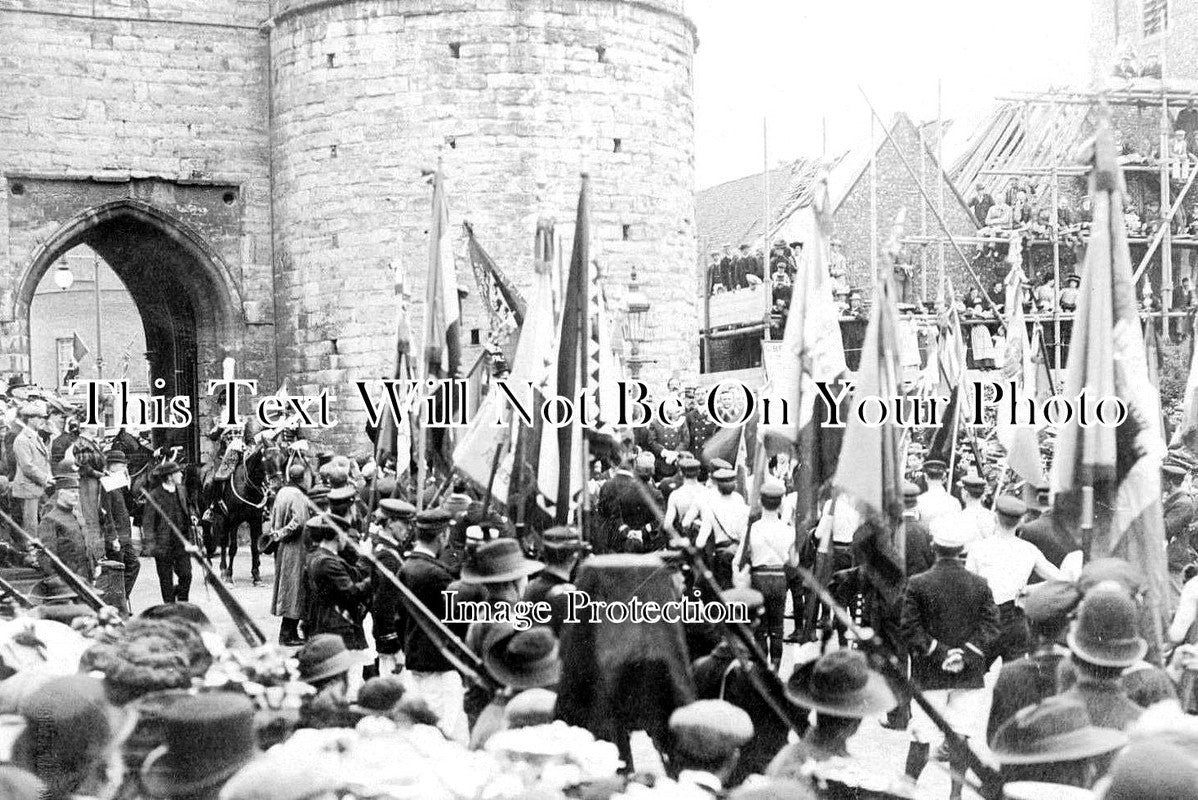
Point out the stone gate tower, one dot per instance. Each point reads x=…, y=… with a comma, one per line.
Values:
x=515, y=98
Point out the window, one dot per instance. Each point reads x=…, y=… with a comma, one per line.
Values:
x=455, y=50
x=1156, y=16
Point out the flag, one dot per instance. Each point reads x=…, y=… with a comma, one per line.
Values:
x=394, y=437
x=1110, y=476
x=490, y=275
x=442, y=347
x=442, y=316
x=812, y=350
x=1041, y=361
x=870, y=470
x=561, y=451
x=1152, y=355
x=78, y=348
x=1185, y=438
x=1020, y=441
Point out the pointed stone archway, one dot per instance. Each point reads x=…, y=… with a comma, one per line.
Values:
x=188, y=299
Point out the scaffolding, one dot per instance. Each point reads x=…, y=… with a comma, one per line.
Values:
x=1036, y=135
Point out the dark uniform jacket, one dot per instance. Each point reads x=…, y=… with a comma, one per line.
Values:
x=337, y=597
x=948, y=607
x=667, y=437
x=63, y=536
x=115, y=517
x=427, y=578
x=919, y=553
x=702, y=427
x=553, y=589
x=1021, y=683
x=385, y=606
x=720, y=676
x=158, y=539
x=621, y=502
x=1049, y=538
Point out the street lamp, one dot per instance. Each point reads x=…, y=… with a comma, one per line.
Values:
x=636, y=322
x=63, y=277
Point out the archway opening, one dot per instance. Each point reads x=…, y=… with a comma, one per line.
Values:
x=162, y=282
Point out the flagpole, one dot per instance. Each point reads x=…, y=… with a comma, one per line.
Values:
x=766, y=282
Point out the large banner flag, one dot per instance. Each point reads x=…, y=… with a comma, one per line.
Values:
x=394, y=436
x=1020, y=441
x=812, y=350
x=442, y=345
x=562, y=474
x=1110, y=476
x=870, y=470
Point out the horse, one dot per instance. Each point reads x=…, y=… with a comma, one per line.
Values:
x=140, y=460
x=243, y=497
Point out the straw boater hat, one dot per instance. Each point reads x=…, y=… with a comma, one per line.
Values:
x=1058, y=729
x=379, y=695
x=499, y=561
x=208, y=738
x=840, y=683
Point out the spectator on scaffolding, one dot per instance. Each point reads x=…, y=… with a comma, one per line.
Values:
x=1066, y=216
x=980, y=202
x=998, y=293
x=756, y=268
x=1068, y=296
x=841, y=298
x=1152, y=218
x=838, y=265
x=1148, y=299
x=796, y=252
x=998, y=218
x=726, y=261
x=1021, y=210
x=904, y=278
x=740, y=268
x=856, y=304
x=1131, y=219
x=713, y=272
x=1183, y=295
x=1180, y=157
x=1046, y=294
x=974, y=303
x=1085, y=214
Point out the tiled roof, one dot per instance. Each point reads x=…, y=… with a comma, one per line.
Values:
x=730, y=213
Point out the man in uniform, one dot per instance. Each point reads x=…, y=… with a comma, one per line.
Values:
x=1053, y=539
x=1006, y=562
x=936, y=501
x=720, y=675
x=388, y=539
x=919, y=555
x=683, y=499
x=622, y=505
x=667, y=441
x=701, y=426
x=167, y=510
x=759, y=562
x=980, y=519
x=948, y=622
x=723, y=522
x=62, y=534
x=428, y=673
x=562, y=549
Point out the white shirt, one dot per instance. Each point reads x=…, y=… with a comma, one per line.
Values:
x=981, y=518
x=1006, y=562
x=770, y=540
x=684, y=503
x=935, y=502
x=725, y=516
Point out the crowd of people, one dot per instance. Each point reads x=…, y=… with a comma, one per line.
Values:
x=1020, y=647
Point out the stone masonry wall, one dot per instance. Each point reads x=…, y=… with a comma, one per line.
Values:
x=169, y=92
x=515, y=99
x=1114, y=22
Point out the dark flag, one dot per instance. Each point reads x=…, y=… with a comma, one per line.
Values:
x=1107, y=478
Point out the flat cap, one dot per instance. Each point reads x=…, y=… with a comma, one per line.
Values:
x=342, y=493
x=561, y=535
x=719, y=463
x=1010, y=506
x=934, y=466
x=710, y=730
x=949, y=530
x=910, y=489
x=723, y=475
x=115, y=457
x=68, y=481
x=772, y=487
x=318, y=492
x=1050, y=599
x=973, y=483
x=400, y=509
x=688, y=463
x=646, y=462
x=433, y=518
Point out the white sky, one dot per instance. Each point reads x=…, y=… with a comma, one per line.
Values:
x=793, y=62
